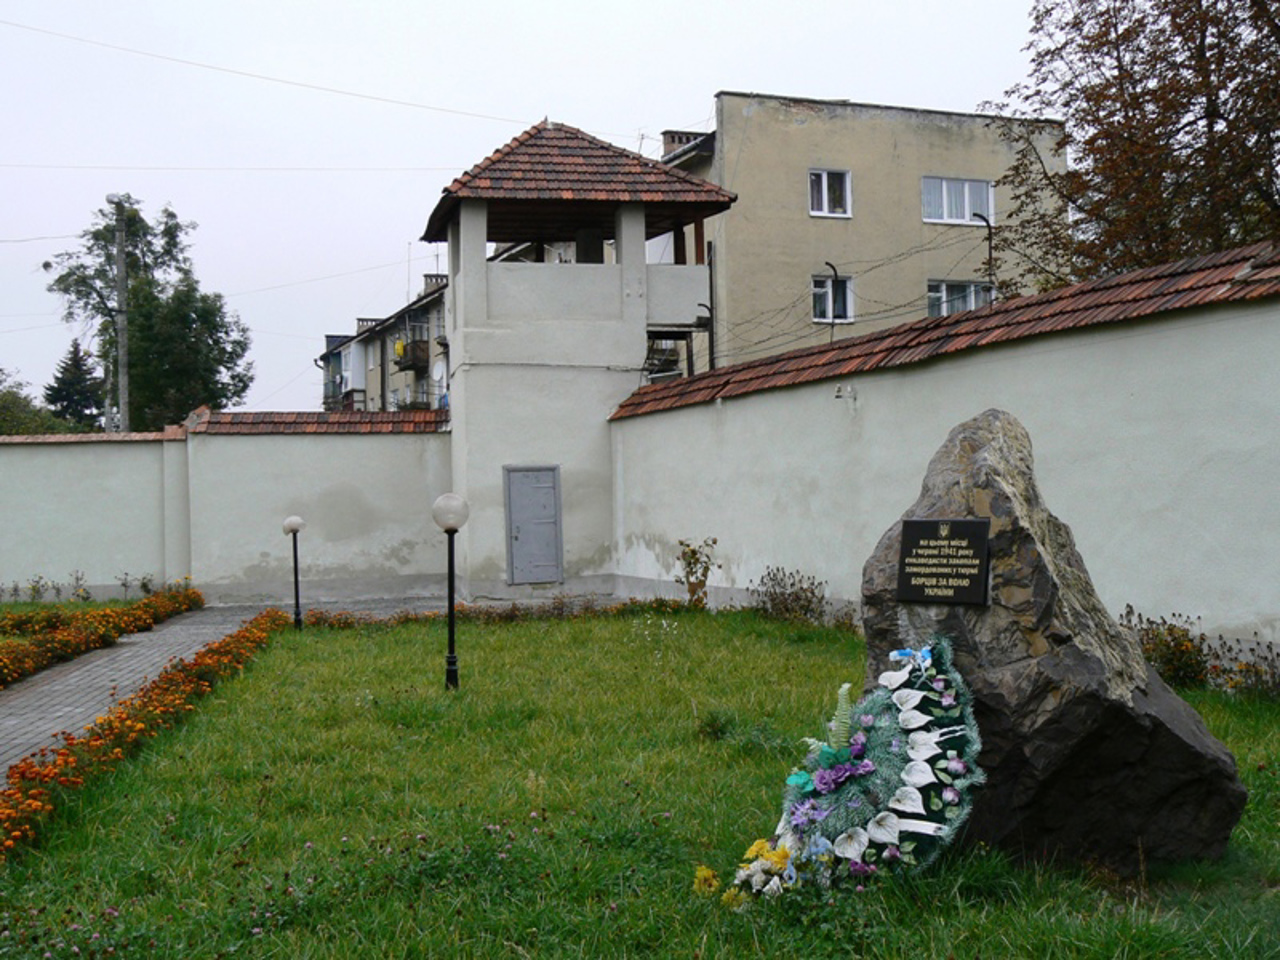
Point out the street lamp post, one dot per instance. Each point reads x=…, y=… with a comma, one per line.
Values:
x=450, y=512
x=991, y=252
x=292, y=527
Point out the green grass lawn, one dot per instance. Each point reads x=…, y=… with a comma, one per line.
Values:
x=336, y=801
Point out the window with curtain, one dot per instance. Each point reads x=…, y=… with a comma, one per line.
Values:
x=832, y=299
x=950, y=296
x=949, y=200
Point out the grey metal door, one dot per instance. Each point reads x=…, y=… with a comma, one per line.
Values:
x=534, y=543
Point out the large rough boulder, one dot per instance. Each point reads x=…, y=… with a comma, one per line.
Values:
x=1088, y=754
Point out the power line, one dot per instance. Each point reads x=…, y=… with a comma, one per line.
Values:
x=319, y=88
x=65, y=236
x=332, y=276
x=127, y=168
x=300, y=84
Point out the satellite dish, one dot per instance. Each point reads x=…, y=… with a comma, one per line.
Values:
x=439, y=371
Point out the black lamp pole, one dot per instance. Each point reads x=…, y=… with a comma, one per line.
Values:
x=450, y=513
x=292, y=527
x=451, y=659
x=297, y=592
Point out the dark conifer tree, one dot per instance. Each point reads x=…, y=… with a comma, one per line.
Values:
x=75, y=394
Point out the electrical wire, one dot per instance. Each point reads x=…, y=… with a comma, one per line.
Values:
x=283, y=81
x=249, y=74
x=126, y=168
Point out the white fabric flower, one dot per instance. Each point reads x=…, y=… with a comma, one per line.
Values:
x=852, y=844
x=910, y=719
x=923, y=744
x=907, y=699
x=893, y=679
x=773, y=887
x=883, y=828
x=922, y=826
x=908, y=800
x=917, y=773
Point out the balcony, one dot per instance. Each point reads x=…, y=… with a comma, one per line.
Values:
x=413, y=355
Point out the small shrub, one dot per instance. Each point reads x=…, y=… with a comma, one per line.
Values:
x=37, y=587
x=1245, y=667
x=1174, y=647
x=80, y=586
x=1184, y=657
x=696, y=565
x=790, y=595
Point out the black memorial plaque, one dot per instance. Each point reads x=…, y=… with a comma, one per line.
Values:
x=943, y=561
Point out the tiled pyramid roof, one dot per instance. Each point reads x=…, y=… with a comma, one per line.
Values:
x=551, y=164
x=1247, y=273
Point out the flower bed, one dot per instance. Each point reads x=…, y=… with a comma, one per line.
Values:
x=39, y=639
x=33, y=784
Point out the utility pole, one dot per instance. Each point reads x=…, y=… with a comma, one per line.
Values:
x=122, y=315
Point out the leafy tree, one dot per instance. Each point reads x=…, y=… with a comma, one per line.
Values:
x=1172, y=133
x=185, y=348
x=19, y=414
x=75, y=394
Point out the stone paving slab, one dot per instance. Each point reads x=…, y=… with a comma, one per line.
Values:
x=71, y=695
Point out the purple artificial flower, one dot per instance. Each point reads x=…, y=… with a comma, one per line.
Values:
x=896, y=745
x=857, y=744
x=891, y=852
x=859, y=869
x=827, y=780
x=957, y=766
x=863, y=768
x=949, y=699
x=951, y=795
x=939, y=684
x=807, y=812
x=867, y=719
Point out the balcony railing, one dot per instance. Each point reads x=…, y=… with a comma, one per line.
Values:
x=413, y=355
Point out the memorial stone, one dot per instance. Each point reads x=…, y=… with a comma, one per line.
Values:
x=1088, y=753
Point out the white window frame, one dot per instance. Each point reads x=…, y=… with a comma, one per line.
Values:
x=968, y=191
x=822, y=299
x=820, y=206
x=946, y=297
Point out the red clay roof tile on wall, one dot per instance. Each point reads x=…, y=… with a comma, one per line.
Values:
x=205, y=421
x=336, y=422
x=1247, y=273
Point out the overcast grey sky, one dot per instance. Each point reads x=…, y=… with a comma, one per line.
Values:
x=310, y=202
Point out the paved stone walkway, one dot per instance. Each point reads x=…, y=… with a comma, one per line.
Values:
x=71, y=695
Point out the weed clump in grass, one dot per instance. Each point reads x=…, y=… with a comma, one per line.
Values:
x=791, y=595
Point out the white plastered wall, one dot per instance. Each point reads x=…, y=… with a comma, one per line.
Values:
x=212, y=507
x=1158, y=443
x=99, y=508
x=366, y=500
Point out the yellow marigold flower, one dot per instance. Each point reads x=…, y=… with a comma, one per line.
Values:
x=778, y=859
x=705, y=881
x=757, y=849
x=734, y=898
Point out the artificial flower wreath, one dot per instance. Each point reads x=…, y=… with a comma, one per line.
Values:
x=888, y=789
